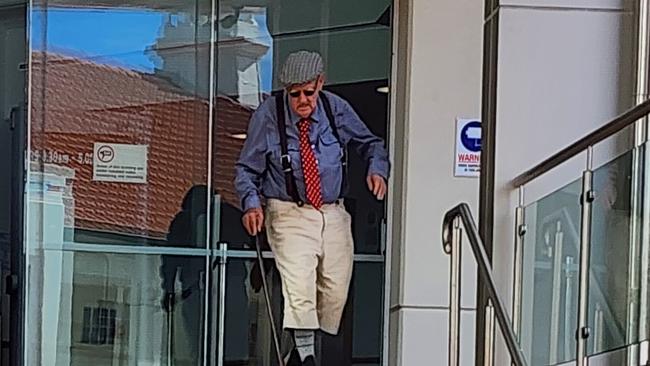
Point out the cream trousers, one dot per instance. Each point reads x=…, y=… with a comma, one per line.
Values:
x=314, y=253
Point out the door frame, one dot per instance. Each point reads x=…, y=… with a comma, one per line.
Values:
x=13, y=284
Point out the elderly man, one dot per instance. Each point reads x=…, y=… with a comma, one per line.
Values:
x=294, y=160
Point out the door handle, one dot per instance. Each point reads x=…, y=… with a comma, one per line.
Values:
x=12, y=117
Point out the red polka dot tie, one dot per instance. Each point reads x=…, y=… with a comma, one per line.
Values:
x=310, y=167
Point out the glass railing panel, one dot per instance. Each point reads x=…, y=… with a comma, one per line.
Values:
x=614, y=285
x=550, y=276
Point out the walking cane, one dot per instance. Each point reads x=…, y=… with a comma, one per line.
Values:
x=170, y=327
x=267, y=298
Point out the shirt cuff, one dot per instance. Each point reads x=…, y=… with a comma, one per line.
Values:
x=380, y=168
x=251, y=201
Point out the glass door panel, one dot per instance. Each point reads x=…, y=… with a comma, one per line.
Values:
x=117, y=195
x=253, y=39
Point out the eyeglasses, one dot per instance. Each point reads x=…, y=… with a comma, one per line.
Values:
x=307, y=92
x=297, y=93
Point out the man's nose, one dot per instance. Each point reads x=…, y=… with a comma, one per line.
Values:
x=303, y=98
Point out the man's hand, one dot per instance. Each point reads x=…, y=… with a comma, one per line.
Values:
x=253, y=220
x=377, y=185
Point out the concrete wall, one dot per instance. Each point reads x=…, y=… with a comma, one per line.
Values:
x=437, y=78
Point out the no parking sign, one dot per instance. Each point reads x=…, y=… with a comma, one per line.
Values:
x=468, y=148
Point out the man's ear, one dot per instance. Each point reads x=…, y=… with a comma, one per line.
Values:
x=321, y=83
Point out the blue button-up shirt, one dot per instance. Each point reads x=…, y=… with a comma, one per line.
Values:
x=259, y=169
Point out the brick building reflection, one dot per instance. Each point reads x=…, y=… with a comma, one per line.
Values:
x=76, y=102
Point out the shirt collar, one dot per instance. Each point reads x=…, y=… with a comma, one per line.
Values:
x=295, y=119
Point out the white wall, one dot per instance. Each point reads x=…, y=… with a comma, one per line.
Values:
x=562, y=72
x=437, y=78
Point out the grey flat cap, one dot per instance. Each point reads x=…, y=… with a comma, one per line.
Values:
x=301, y=67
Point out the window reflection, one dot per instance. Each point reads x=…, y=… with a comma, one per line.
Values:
x=119, y=138
x=95, y=83
x=124, y=79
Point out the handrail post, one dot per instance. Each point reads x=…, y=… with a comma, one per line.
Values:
x=586, y=200
x=223, y=272
x=454, y=252
x=488, y=358
x=451, y=240
x=556, y=294
x=520, y=231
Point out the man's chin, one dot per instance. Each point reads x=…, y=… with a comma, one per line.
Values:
x=304, y=113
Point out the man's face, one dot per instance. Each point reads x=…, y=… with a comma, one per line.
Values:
x=304, y=98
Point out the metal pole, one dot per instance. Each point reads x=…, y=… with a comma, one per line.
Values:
x=223, y=260
x=568, y=304
x=644, y=260
x=454, y=294
x=587, y=198
x=485, y=271
x=635, y=255
x=488, y=359
x=170, y=328
x=267, y=300
x=211, y=222
x=599, y=324
x=643, y=353
x=520, y=231
x=642, y=92
x=557, y=292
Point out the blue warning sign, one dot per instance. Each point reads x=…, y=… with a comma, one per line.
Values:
x=470, y=136
x=467, y=162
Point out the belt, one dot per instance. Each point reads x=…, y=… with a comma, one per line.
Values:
x=336, y=202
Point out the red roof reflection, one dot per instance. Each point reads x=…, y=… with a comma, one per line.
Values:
x=76, y=103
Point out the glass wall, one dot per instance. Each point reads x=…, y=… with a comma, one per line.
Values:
x=616, y=275
x=138, y=110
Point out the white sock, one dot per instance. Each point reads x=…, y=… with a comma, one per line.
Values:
x=304, y=343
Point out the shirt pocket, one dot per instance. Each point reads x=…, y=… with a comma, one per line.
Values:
x=330, y=152
x=275, y=155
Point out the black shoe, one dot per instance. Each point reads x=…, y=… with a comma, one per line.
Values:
x=309, y=361
x=294, y=360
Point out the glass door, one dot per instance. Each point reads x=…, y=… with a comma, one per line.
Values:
x=254, y=38
x=117, y=199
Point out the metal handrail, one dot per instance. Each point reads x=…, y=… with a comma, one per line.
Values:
x=615, y=125
x=451, y=244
